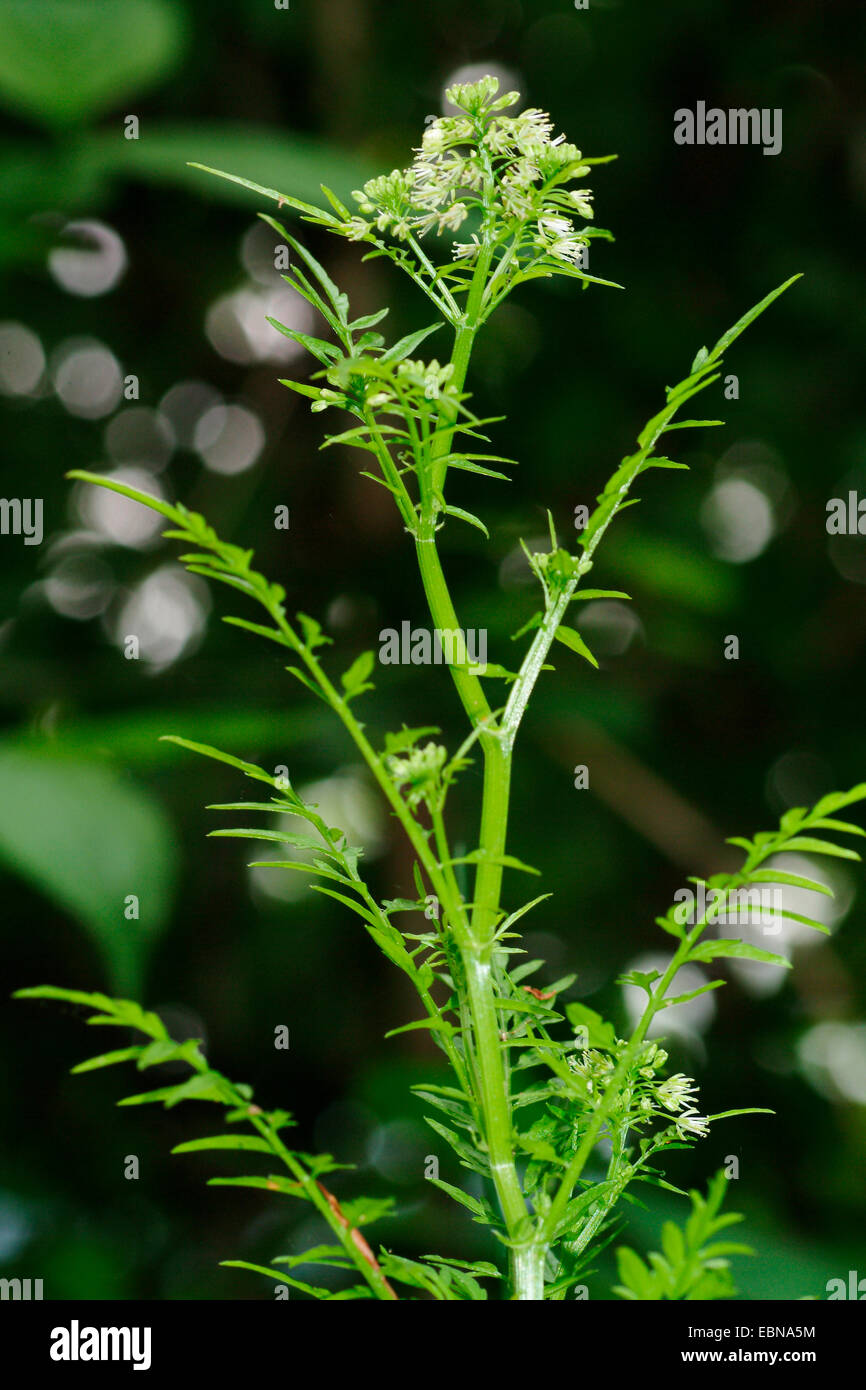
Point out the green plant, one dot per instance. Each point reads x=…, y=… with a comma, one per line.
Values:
x=694, y=1265
x=528, y=1103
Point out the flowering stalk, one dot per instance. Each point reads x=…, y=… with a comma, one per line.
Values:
x=514, y=191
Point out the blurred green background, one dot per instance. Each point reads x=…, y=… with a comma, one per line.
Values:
x=119, y=262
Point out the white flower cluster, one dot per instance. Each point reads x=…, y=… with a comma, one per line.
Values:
x=691, y=1125
x=675, y=1095
x=594, y=1068
x=511, y=169
x=678, y=1094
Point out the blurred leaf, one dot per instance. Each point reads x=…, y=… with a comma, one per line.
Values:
x=137, y=737
x=88, y=838
x=30, y=168
x=206, y=751
x=669, y=570
x=290, y=161
x=810, y=844
x=282, y=1278
x=62, y=61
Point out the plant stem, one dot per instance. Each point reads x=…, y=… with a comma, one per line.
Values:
x=533, y=663
x=392, y=476
x=494, y=1096
x=467, y=685
x=493, y=1093
x=351, y=1240
x=528, y=1272
x=362, y=1256
x=496, y=796
x=464, y=340
x=527, y=1265
x=610, y=1198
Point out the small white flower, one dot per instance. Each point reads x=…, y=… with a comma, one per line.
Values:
x=435, y=138
x=453, y=217
x=555, y=226
x=691, y=1125
x=516, y=203
x=582, y=199
x=500, y=138
x=452, y=167
x=677, y=1092
x=556, y=236
x=465, y=250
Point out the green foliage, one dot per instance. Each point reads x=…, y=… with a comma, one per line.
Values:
x=62, y=61
x=694, y=1264
x=535, y=1088
x=88, y=838
x=65, y=64
x=298, y=159
x=206, y=1084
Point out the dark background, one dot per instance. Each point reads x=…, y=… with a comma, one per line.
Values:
x=684, y=747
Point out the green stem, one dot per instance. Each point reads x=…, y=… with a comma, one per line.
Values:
x=533, y=663
x=391, y=474
x=433, y=1010
x=448, y=306
x=528, y=1272
x=611, y=1197
x=416, y=834
x=360, y=1254
x=366, y=1263
x=468, y=686
x=493, y=1093
x=464, y=340
x=492, y=837
x=492, y=1088
x=491, y=841
x=476, y=952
